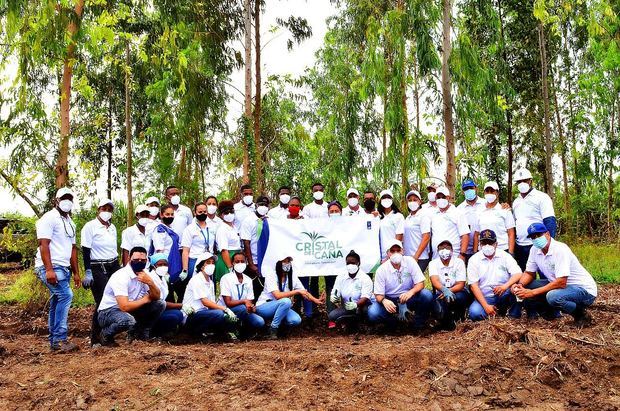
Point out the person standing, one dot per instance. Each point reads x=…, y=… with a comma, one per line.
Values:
x=165, y=240
x=496, y=218
x=417, y=224
x=227, y=240
x=100, y=254
x=136, y=235
x=55, y=261
x=281, y=210
x=353, y=203
x=245, y=207
x=182, y=213
x=317, y=208
x=392, y=221
x=448, y=223
x=470, y=208
x=250, y=233
x=198, y=238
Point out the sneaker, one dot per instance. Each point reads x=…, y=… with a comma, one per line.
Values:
x=273, y=334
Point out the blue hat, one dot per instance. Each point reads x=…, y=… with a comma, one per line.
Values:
x=155, y=258
x=536, y=228
x=468, y=183
x=488, y=235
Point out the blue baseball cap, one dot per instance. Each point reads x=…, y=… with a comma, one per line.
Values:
x=536, y=228
x=488, y=235
x=468, y=183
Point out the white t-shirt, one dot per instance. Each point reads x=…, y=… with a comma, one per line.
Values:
x=197, y=289
x=278, y=213
x=391, y=282
x=533, y=208
x=61, y=233
x=231, y=287
x=100, y=239
x=182, y=218
x=413, y=228
x=489, y=273
x=471, y=215
x=449, y=225
x=431, y=209
x=498, y=220
x=390, y=225
x=123, y=283
x=132, y=237
x=353, y=289
x=449, y=274
x=348, y=212
x=271, y=285
x=198, y=240
x=161, y=284
x=314, y=210
x=561, y=262
x=227, y=238
x=162, y=242
x=249, y=232
x=242, y=212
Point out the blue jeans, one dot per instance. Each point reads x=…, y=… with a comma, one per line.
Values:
x=568, y=300
x=208, y=321
x=138, y=323
x=279, y=311
x=61, y=296
x=420, y=304
x=251, y=320
x=312, y=285
x=505, y=302
x=168, y=322
x=452, y=311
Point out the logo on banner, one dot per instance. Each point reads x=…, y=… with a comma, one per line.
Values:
x=319, y=247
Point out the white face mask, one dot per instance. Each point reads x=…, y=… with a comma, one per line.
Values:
x=286, y=267
x=229, y=218
x=240, y=267
x=488, y=250
x=523, y=187
x=262, y=210
x=153, y=210
x=209, y=269
x=387, y=203
x=318, y=195
x=335, y=215
x=285, y=198
x=65, y=205
x=490, y=198
x=432, y=196
x=413, y=205
x=352, y=268
x=161, y=270
x=353, y=202
x=211, y=209
x=396, y=258
x=442, y=202
x=144, y=221
x=105, y=216
x=444, y=253
x=248, y=200
x=175, y=200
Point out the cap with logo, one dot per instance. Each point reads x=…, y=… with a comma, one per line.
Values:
x=536, y=228
x=522, y=174
x=488, y=235
x=468, y=183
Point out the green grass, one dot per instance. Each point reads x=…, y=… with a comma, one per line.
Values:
x=601, y=260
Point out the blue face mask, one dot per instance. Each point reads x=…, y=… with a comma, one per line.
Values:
x=470, y=194
x=540, y=242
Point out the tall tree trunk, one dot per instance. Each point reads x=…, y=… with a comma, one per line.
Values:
x=416, y=99
x=446, y=88
x=130, y=212
x=510, y=142
x=562, y=147
x=258, y=161
x=61, y=170
x=247, y=18
x=610, y=172
x=109, y=145
x=571, y=112
x=545, y=92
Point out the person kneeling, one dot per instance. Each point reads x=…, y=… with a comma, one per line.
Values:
x=352, y=293
x=568, y=287
x=448, y=276
x=131, y=301
x=204, y=314
x=399, y=288
x=491, y=273
x=171, y=319
x=275, y=302
x=237, y=293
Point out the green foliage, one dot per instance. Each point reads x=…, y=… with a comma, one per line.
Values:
x=20, y=237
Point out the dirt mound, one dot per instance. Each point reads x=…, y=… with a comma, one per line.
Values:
x=494, y=364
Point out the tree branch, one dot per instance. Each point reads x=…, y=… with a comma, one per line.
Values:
x=20, y=193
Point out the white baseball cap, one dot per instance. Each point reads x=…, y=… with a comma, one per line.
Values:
x=386, y=192
x=491, y=184
x=152, y=200
x=63, y=192
x=522, y=174
x=443, y=190
x=353, y=191
x=415, y=193
x=105, y=201
x=392, y=243
x=141, y=208
x=201, y=258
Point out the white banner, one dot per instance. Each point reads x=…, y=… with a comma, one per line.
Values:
x=319, y=246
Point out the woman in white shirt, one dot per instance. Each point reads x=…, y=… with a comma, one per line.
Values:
x=197, y=239
x=417, y=223
x=227, y=239
x=164, y=240
x=171, y=319
x=391, y=226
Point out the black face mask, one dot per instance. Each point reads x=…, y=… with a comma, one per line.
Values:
x=167, y=220
x=369, y=204
x=137, y=266
x=201, y=217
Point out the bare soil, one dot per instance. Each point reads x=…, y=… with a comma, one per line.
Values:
x=495, y=364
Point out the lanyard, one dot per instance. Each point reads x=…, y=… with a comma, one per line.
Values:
x=242, y=292
x=203, y=236
x=283, y=285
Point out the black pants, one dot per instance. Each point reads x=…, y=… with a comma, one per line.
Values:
x=101, y=274
x=177, y=288
x=522, y=253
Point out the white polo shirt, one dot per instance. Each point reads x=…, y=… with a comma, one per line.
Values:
x=231, y=287
x=100, y=239
x=561, y=262
x=278, y=213
x=489, y=273
x=353, y=289
x=162, y=242
x=227, y=238
x=413, y=227
x=314, y=210
x=242, y=212
x=471, y=215
x=348, y=212
x=132, y=237
x=391, y=282
x=449, y=274
x=431, y=209
x=197, y=289
x=123, y=283
x=161, y=284
x=533, y=208
x=249, y=232
x=182, y=218
x=61, y=233
x=271, y=285
x=389, y=226
x=198, y=240
x=449, y=225
x=498, y=220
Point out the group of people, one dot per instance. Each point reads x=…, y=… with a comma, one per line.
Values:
x=198, y=270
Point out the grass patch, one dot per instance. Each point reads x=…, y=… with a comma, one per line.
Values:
x=601, y=260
